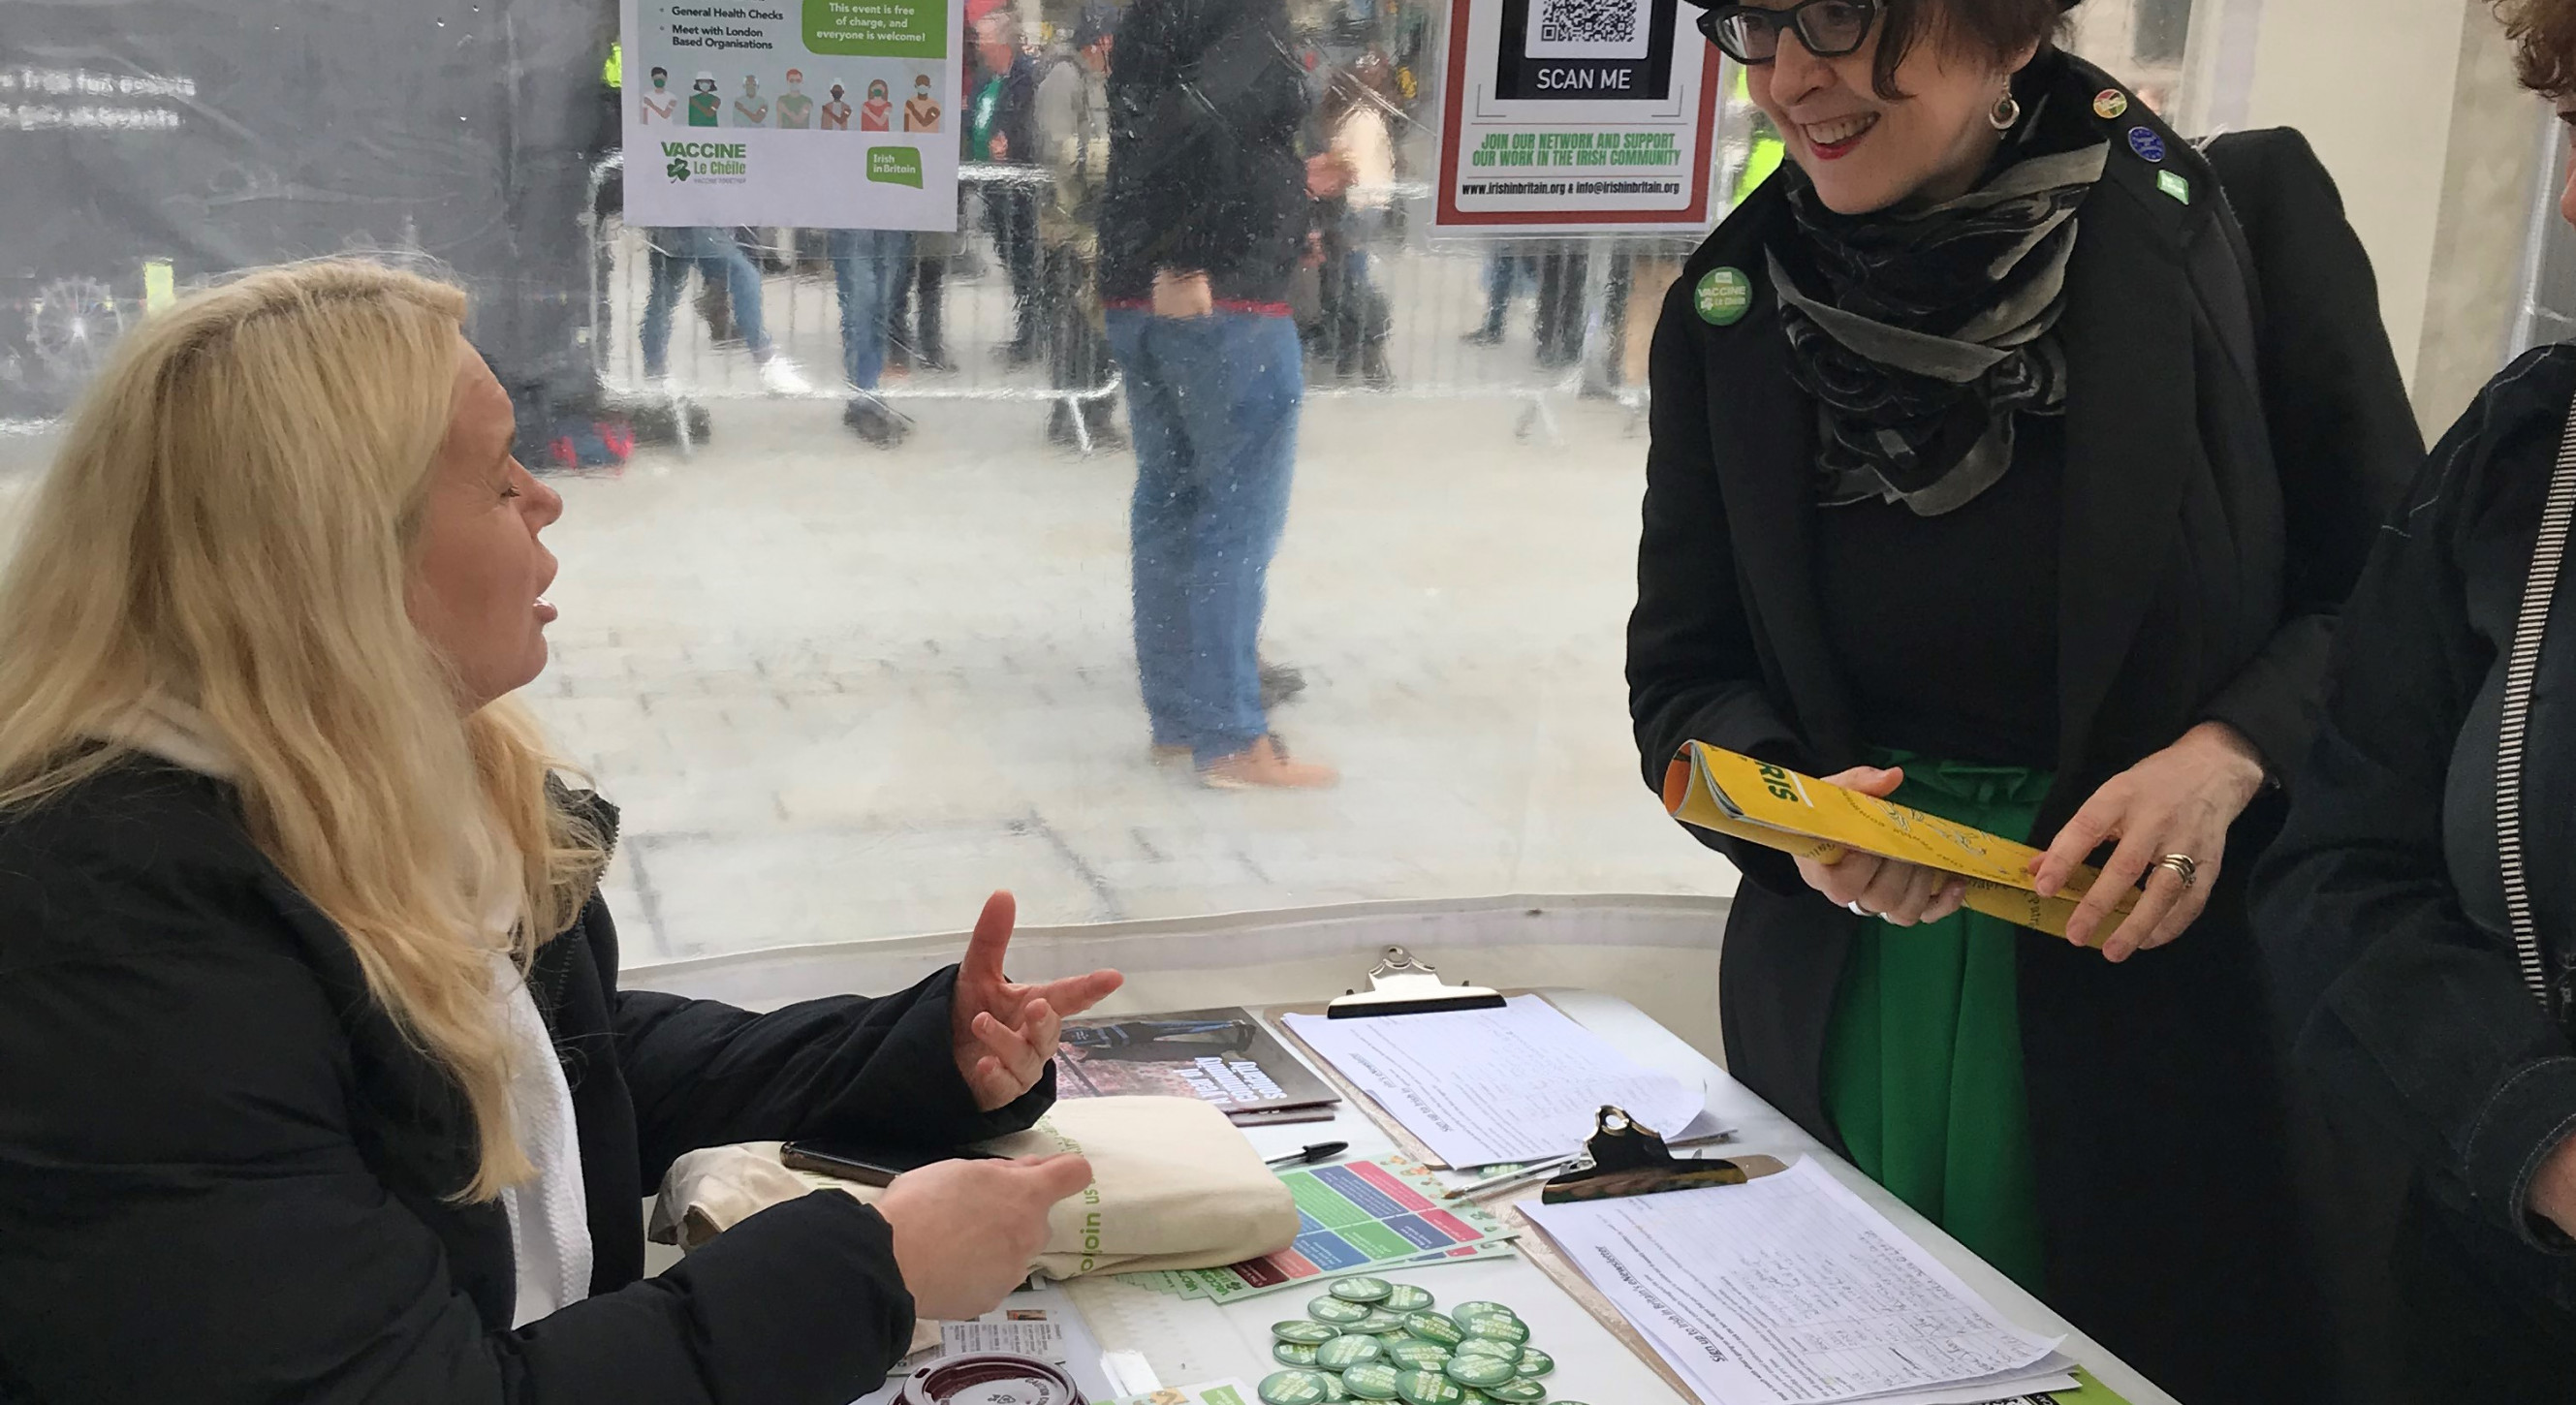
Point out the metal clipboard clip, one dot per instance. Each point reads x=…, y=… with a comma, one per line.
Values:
x=1624, y=1159
x=1404, y=984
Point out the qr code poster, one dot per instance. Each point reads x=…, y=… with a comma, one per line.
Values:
x=1574, y=50
x=1558, y=116
x=1587, y=29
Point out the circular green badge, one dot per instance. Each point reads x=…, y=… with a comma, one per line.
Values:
x=1404, y=1297
x=1487, y=1346
x=1432, y=1327
x=1334, y=1391
x=1428, y=1388
x=1469, y=1395
x=1374, y=1380
x=1336, y=1311
x=1535, y=1363
x=1293, y=1388
x=1480, y=1371
x=1294, y=1353
x=1379, y=1322
x=1499, y=1329
x=1342, y=1353
x=1464, y=1311
x=1519, y=1392
x=1362, y=1290
x=1306, y=1330
x=1723, y=297
x=1415, y=1354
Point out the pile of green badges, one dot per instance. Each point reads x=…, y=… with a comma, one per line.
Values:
x=1373, y=1340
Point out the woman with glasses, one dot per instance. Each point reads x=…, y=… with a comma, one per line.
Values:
x=2001, y=467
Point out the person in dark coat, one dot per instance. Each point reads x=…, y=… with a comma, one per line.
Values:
x=317, y=1082
x=1998, y=467
x=1203, y=217
x=1001, y=126
x=2384, y=904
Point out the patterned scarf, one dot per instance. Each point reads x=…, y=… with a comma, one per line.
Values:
x=1934, y=328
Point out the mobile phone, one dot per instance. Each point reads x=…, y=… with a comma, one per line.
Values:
x=868, y=1165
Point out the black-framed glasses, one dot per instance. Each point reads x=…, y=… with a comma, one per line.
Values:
x=1751, y=33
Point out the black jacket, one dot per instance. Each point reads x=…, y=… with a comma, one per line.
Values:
x=224, y=1175
x=2229, y=452
x=2396, y=971
x=1015, y=109
x=1205, y=100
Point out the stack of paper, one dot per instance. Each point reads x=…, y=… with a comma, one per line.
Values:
x=1790, y=1289
x=1355, y=1217
x=1522, y=1083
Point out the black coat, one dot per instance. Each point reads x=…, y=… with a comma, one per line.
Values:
x=224, y=1175
x=1205, y=103
x=2408, y=1011
x=2229, y=452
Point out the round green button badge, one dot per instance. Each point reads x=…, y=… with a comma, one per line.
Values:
x=1304, y=1330
x=1415, y=1354
x=1293, y=1388
x=1342, y=1353
x=1519, y=1392
x=1362, y=1290
x=1482, y=1372
x=1378, y=1323
x=1723, y=297
x=1428, y=1388
x=1499, y=1329
x=1487, y=1346
x=1432, y=1327
x=1295, y=1353
x=1337, y=1312
x=1404, y=1297
x=1372, y=1380
x=1535, y=1363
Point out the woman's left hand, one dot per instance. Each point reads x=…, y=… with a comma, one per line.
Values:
x=1005, y=1033
x=2181, y=800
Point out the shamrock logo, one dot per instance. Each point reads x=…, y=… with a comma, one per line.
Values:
x=678, y=170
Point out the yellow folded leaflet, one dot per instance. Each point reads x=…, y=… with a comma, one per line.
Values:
x=1732, y=794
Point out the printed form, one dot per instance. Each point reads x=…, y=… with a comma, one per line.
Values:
x=1789, y=1288
x=1480, y=1087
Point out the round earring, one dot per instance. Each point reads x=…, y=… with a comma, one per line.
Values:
x=2006, y=112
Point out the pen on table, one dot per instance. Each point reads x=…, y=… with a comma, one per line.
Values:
x=1315, y=1152
x=1535, y=1171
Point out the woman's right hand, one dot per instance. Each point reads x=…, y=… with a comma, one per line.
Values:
x=1901, y=893
x=965, y=1232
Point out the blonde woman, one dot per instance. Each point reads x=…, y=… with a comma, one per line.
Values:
x=316, y=1082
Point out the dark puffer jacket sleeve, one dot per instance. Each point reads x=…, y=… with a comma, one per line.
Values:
x=186, y=1212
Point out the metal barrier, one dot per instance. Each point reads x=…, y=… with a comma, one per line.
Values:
x=1382, y=312
x=976, y=291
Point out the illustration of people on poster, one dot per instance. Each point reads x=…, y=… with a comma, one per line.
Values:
x=748, y=148
x=1563, y=116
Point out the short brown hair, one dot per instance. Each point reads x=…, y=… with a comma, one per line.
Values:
x=1996, y=28
x=2544, y=43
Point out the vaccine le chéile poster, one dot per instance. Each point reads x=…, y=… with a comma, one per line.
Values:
x=822, y=114
x=1575, y=116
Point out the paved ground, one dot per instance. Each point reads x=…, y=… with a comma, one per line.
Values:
x=843, y=693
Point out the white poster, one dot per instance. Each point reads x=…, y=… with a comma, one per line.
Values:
x=823, y=114
x=1568, y=116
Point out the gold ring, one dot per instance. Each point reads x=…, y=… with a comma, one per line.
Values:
x=2184, y=867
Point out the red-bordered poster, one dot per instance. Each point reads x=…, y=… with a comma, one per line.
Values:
x=1559, y=116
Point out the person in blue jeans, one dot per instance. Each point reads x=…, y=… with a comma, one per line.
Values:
x=717, y=257
x=1203, y=215
x=868, y=265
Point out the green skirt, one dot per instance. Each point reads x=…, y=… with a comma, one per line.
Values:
x=1923, y=1070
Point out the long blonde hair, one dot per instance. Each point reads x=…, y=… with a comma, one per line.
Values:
x=229, y=524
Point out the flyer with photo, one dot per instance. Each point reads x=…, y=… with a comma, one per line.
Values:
x=1561, y=116
x=824, y=114
x=1223, y=1057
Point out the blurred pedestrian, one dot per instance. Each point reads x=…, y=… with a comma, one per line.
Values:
x=867, y=266
x=1073, y=132
x=1362, y=144
x=1201, y=223
x=1001, y=127
x=719, y=258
